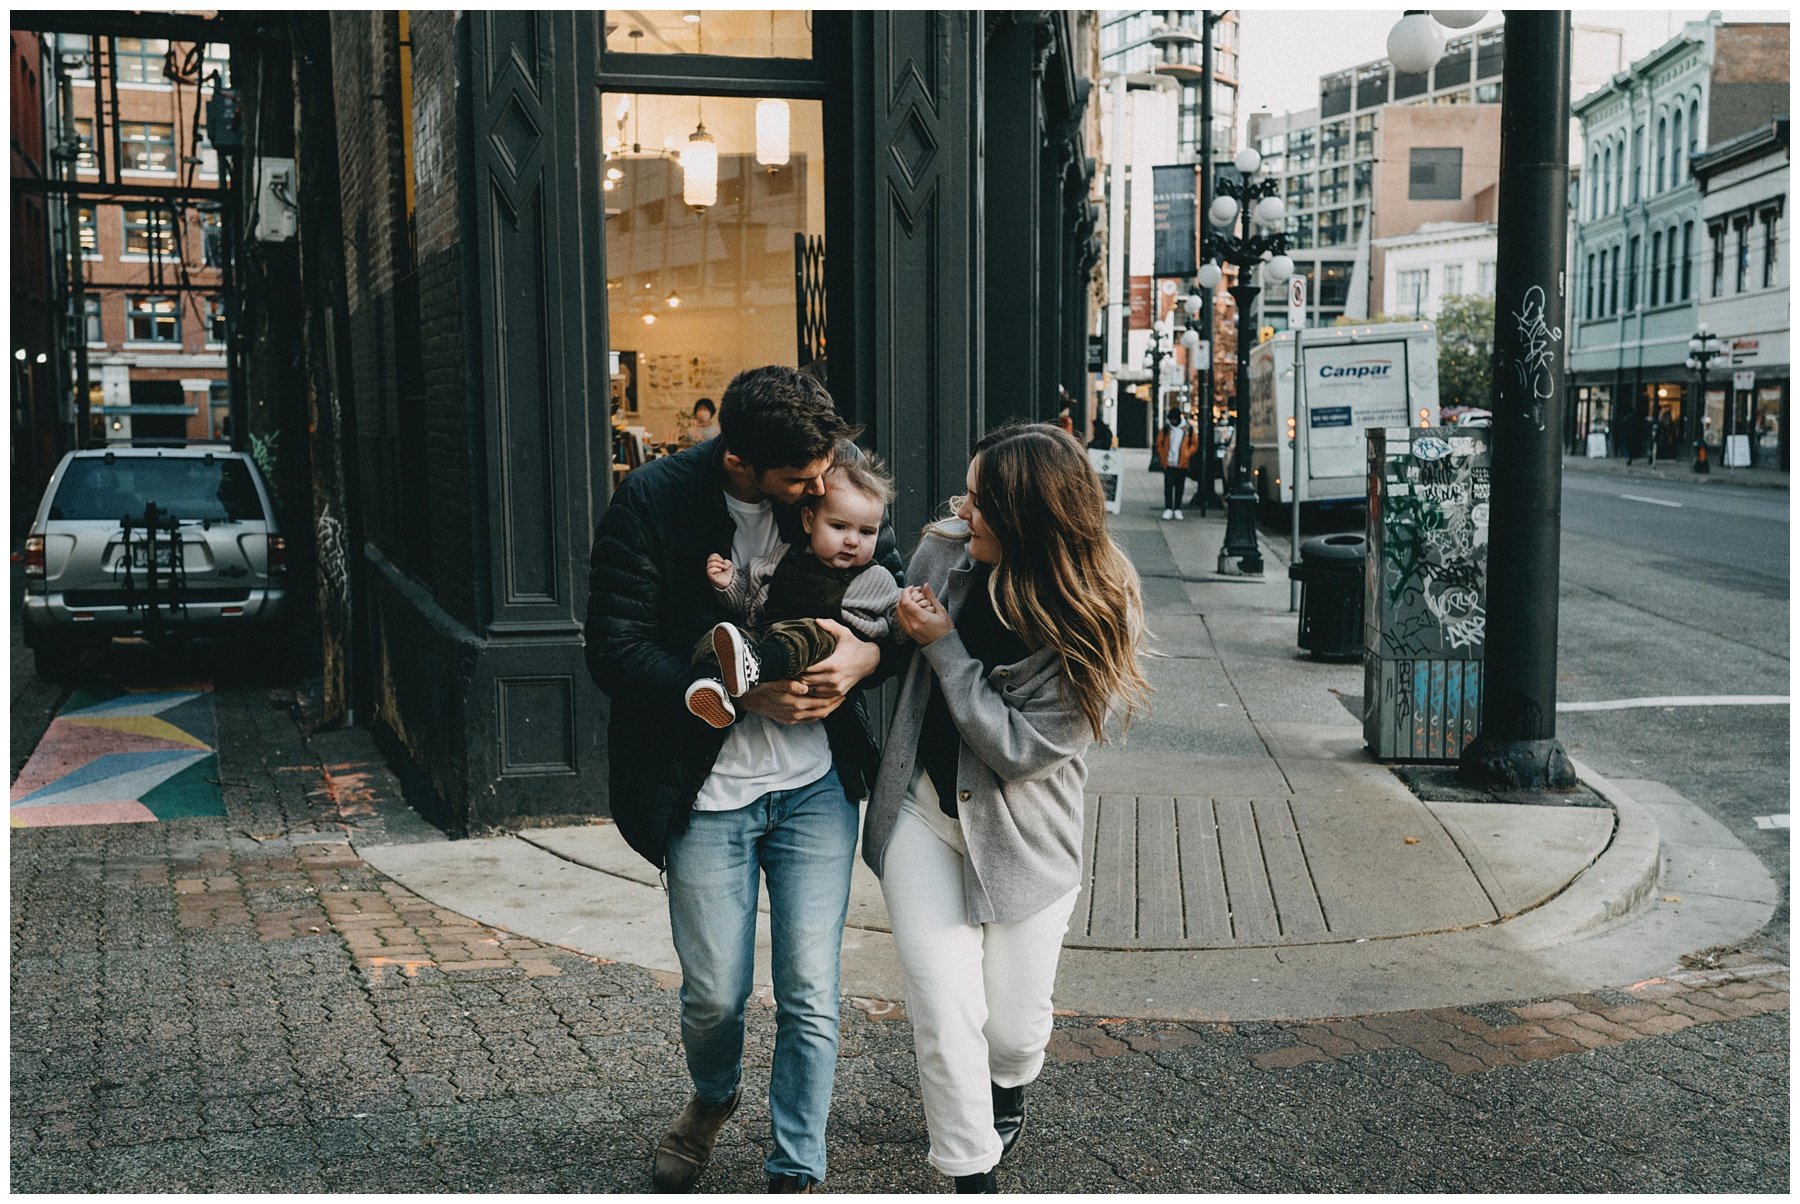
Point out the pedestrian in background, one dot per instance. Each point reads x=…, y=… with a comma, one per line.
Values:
x=705, y=423
x=1029, y=622
x=1103, y=436
x=1176, y=444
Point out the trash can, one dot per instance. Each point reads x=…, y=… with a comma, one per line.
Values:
x=1330, y=573
x=1427, y=590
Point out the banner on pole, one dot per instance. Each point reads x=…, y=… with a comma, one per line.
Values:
x=1172, y=191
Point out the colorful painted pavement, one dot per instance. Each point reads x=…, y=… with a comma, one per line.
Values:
x=121, y=756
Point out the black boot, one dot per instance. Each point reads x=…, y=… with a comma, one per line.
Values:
x=1009, y=1115
x=982, y=1184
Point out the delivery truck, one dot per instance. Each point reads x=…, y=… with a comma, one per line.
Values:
x=1349, y=378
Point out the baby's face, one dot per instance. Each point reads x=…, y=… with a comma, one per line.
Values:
x=844, y=525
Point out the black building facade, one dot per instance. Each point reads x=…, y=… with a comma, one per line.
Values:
x=544, y=265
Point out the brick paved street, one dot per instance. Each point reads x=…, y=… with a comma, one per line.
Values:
x=243, y=1005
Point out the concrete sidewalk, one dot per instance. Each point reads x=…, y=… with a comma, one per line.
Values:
x=1679, y=471
x=1246, y=858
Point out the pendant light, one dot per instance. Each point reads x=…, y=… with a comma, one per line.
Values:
x=700, y=157
x=772, y=148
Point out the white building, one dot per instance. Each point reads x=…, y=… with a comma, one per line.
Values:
x=1436, y=261
x=1641, y=243
x=1744, y=287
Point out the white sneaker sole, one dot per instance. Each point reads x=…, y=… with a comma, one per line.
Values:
x=708, y=700
x=728, y=646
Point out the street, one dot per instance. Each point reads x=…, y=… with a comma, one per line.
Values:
x=244, y=1004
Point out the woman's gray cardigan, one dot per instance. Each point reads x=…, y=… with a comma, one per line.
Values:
x=1022, y=765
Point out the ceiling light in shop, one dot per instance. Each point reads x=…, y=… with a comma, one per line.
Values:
x=674, y=299
x=700, y=169
x=649, y=319
x=772, y=133
x=691, y=16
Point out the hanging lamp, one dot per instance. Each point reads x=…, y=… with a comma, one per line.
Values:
x=700, y=157
x=772, y=124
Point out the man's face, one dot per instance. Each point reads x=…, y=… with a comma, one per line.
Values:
x=786, y=486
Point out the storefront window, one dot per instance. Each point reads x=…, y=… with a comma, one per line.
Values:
x=750, y=33
x=696, y=294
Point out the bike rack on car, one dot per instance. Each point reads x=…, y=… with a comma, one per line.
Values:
x=157, y=596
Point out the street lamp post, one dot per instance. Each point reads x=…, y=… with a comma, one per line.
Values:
x=1703, y=349
x=1246, y=203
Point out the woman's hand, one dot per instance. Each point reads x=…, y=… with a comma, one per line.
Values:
x=922, y=617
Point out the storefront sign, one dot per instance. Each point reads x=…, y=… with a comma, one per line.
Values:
x=1173, y=193
x=1737, y=451
x=1743, y=382
x=1108, y=465
x=1096, y=353
x=1141, y=310
x=1744, y=351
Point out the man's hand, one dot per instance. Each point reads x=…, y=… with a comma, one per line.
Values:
x=719, y=571
x=852, y=660
x=790, y=702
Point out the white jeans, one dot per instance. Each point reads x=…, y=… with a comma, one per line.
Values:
x=978, y=994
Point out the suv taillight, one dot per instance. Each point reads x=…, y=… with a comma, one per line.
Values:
x=277, y=554
x=34, y=556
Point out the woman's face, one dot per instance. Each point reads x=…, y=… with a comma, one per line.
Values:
x=983, y=547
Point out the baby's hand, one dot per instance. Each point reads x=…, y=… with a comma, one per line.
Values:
x=719, y=571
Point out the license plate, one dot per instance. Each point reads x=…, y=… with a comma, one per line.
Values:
x=140, y=556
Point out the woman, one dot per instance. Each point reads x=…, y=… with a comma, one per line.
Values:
x=706, y=422
x=1176, y=443
x=1028, y=620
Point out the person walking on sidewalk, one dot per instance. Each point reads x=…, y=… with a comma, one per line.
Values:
x=773, y=796
x=1176, y=442
x=1028, y=621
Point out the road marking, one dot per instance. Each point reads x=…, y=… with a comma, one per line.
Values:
x=1633, y=497
x=1772, y=821
x=1715, y=700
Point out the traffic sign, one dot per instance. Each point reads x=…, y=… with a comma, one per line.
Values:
x=1296, y=302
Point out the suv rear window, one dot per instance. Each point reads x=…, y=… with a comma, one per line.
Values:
x=210, y=490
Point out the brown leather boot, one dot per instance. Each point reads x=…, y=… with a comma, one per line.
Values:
x=684, y=1150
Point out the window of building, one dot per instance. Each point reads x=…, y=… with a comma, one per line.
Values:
x=1457, y=66
x=140, y=60
x=1613, y=304
x=1669, y=277
x=92, y=328
x=1334, y=285
x=1372, y=87
x=1302, y=237
x=151, y=231
x=1453, y=279
x=1332, y=185
x=1655, y=269
x=1334, y=140
x=1334, y=228
x=1675, y=149
x=1412, y=287
x=1365, y=136
x=1360, y=175
x=1743, y=253
x=89, y=229
x=1334, y=94
x=1662, y=153
x=1693, y=136
x=1488, y=94
x=1408, y=84
x=1484, y=278
x=1587, y=304
x=1490, y=54
x=216, y=65
x=1435, y=174
x=212, y=237
x=1631, y=273
x=1300, y=146
x=1769, y=254
x=1718, y=258
x=215, y=320
x=74, y=55
x=743, y=33
x=218, y=404
x=85, y=159
x=1687, y=260
x=152, y=319
x=1606, y=183
x=149, y=145
x=1637, y=163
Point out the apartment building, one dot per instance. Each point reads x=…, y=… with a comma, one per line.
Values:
x=128, y=122
x=1645, y=253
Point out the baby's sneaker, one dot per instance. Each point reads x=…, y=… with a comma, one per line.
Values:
x=707, y=698
x=737, y=663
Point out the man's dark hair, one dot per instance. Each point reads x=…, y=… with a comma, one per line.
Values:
x=777, y=417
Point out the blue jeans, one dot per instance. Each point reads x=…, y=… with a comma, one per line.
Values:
x=803, y=840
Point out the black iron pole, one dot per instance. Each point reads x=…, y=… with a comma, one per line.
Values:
x=1704, y=358
x=1517, y=748
x=1240, y=503
x=1202, y=200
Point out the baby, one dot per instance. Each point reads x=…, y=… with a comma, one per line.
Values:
x=782, y=595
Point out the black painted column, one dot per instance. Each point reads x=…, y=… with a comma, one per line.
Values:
x=1517, y=747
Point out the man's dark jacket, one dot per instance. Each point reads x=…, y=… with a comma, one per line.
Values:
x=649, y=602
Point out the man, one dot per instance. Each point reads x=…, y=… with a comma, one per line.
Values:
x=774, y=793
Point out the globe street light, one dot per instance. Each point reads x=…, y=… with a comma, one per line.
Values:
x=1703, y=349
x=1248, y=203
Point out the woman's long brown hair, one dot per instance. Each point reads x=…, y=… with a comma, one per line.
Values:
x=1061, y=580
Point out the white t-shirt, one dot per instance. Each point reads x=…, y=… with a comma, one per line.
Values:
x=1172, y=455
x=760, y=754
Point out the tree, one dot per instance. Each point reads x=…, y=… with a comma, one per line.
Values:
x=1466, y=351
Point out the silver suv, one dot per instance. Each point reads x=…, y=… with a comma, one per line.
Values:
x=161, y=542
